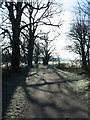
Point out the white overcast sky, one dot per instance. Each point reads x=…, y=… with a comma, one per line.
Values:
x=68, y=6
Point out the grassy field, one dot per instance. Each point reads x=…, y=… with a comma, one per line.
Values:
x=79, y=83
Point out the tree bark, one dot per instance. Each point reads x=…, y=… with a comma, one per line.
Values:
x=30, y=52
x=31, y=41
x=84, y=63
x=15, y=21
x=45, y=60
x=15, y=62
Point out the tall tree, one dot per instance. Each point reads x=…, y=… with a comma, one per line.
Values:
x=15, y=13
x=85, y=8
x=47, y=49
x=26, y=18
x=41, y=14
x=79, y=34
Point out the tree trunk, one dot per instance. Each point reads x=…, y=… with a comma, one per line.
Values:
x=15, y=49
x=88, y=55
x=36, y=60
x=45, y=61
x=15, y=57
x=84, y=63
x=30, y=52
x=15, y=21
x=31, y=42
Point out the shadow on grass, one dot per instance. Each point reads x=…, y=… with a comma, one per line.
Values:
x=10, y=81
x=40, y=109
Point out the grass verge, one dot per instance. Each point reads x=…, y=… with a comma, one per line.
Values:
x=79, y=84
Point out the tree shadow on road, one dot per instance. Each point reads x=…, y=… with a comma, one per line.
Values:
x=51, y=106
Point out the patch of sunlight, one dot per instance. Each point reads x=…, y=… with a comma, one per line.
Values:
x=32, y=80
x=34, y=77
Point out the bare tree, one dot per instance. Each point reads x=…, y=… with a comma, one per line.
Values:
x=37, y=52
x=47, y=49
x=14, y=12
x=15, y=20
x=85, y=8
x=40, y=14
x=79, y=34
x=36, y=14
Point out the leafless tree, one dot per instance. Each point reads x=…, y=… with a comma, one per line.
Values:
x=79, y=36
x=40, y=14
x=24, y=19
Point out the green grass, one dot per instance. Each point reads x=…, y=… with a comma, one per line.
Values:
x=16, y=103
x=14, y=96
x=78, y=83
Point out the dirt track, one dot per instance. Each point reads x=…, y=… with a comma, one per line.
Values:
x=51, y=97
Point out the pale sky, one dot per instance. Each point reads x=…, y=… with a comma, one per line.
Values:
x=63, y=39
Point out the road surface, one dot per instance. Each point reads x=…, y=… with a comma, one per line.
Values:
x=51, y=97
